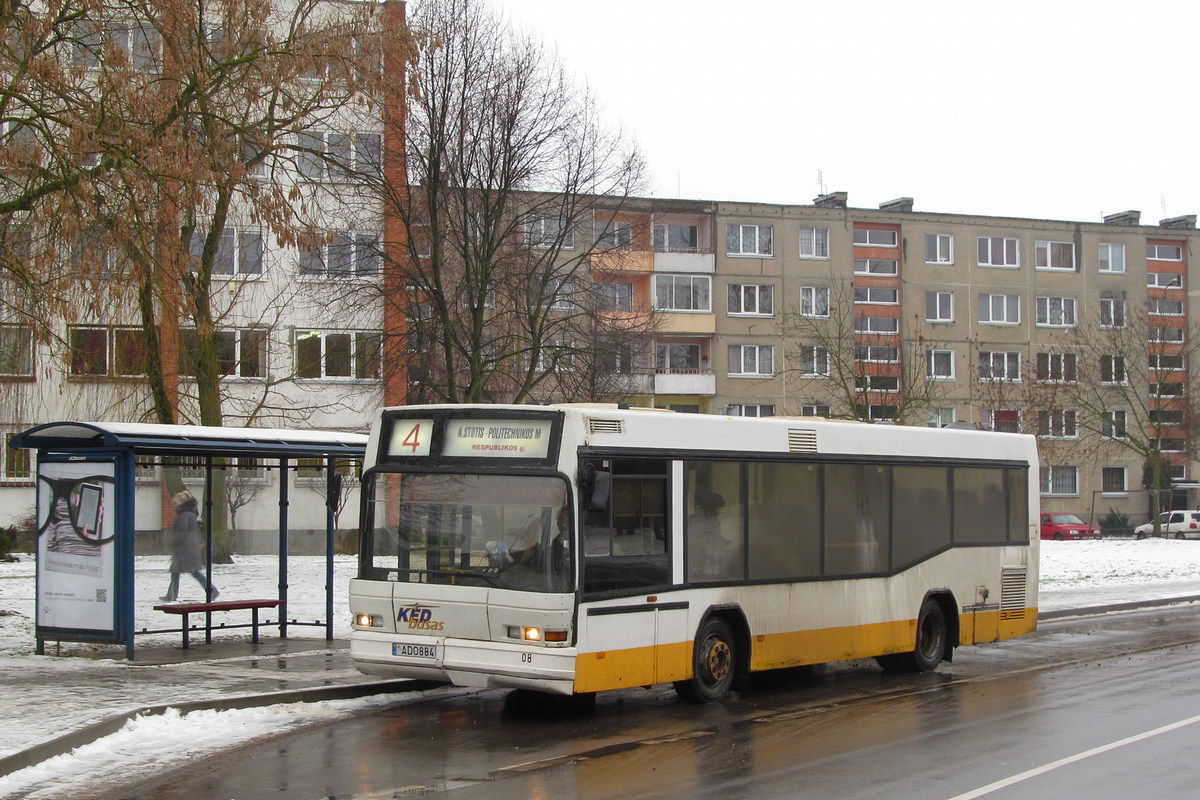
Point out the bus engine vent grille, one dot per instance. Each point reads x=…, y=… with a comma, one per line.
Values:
x=606, y=425
x=1012, y=592
x=802, y=440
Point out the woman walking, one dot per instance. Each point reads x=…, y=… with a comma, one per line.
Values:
x=185, y=547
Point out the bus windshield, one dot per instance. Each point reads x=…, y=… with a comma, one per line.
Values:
x=503, y=531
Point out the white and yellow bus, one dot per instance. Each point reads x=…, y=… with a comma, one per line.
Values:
x=574, y=549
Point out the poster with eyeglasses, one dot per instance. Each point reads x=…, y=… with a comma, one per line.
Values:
x=75, y=545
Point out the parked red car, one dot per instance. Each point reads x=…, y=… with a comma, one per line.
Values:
x=1067, y=526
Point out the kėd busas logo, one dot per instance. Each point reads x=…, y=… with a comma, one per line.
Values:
x=419, y=617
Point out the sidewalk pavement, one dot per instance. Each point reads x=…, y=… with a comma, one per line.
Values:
x=53, y=704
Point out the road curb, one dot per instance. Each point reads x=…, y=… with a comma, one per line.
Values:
x=1110, y=608
x=98, y=730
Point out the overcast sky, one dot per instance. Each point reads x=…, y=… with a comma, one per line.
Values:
x=1051, y=109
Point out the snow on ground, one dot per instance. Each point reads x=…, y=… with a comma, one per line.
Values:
x=164, y=742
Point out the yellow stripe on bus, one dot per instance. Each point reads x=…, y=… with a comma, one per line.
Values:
x=645, y=666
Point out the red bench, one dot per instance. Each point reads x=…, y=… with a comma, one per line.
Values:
x=217, y=605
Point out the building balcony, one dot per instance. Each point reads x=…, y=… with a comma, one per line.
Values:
x=628, y=384
x=685, y=262
x=638, y=261
x=685, y=381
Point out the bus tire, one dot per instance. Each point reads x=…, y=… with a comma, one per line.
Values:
x=714, y=661
x=930, y=645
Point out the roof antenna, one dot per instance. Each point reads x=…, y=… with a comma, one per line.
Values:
x=821, y=182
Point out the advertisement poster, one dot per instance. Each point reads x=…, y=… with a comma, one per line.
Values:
x=75, y=547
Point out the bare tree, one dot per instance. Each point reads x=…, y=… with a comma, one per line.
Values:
x=513, y=186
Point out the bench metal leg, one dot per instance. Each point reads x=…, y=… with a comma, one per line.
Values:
x=185, y=631
x=254, y=611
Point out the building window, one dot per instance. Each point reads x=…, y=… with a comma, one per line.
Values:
x=107, y=352
x=614, y=235
x=751, y=359
x=997, y=251
x=1114, y=480
x=557, y=355
x=239, y=252
x=675, y=238
x=1057, y=367
x=1164, y=252
x=1000, y=309
x=1054, y=255
x=876, y=266
x=999, y=366
x=881, y=412
x=545, y=231
x=939, y=306
x=1166, y=416
x=1002, y=420
x=877, y=354
x=1166, y=388
x=876, y=325
x=941, y=417
x=1164, y=280
x=876, y=294
x=1112, y=257
x=343, y=355
x=137, y=46
x=815, y=410
x=939, y=248
x=1163, y=307
x=677, y=358
x=1060, y=481
x=748, y=240
x=613, y=295
x=751, y=299
x=814, y=301
x=814, y=361
x=1112, y=425
x=1057, y=424
x=560, y=292
x=347, y=254
x=240, y=354
x=814, y=242
x=939, y=365
x=17, y=465
x=1056, y=312
x=326, y=155
x=1163, y=362
x=1166, y=335
x=1112, y=369
x=874, y=238
x=750, y=410
x=683, y=292
x=1112, y=312
x=16, y=351
x=877, y=383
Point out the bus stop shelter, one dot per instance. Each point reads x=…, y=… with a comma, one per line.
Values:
x=86, y=484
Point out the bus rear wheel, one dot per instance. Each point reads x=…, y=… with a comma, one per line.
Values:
x=714, y=660
x=930, y=646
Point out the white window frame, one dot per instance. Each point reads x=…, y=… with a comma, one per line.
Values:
x=939, y=248
x=1051, y=308
x=17, y=357
x=337, y=157
x=673, y=279
x=874, y=237
x=1058, y=423
x=760, y=357
x=877, y=353
x=1057, y=368
x=240, y=339
x=986, y=257
x=241, y=252
x=1164, y=307
x=356, y=342
x=877, y=325
x=759, y=295
x=613, y=234
x=1047, y=252
x=1009, y=360
x=1112, y=313
x=942, y=306
x=939, y=365
x=814, y=243
x=1164, y=252
x=542, y=232
x=112, y=349
x=941, y=417
x=1059, y=481
x=663, y=242
x=347, y=254
x=987, y=419
x=1165, y=334
x=1164, y=280
x=888, y=267
x=1157, y=366
x=815, y=410
x=750, y=410
x=18, y=464
x=613, y=295
x=811, y=298
x=1111, y=258
x=877, y=295
x=745, y=239
x=1008, y=306
x=888, y=384
x=1114, y=424
x=814, y=361
x=1124, y=473
x=1112, y=370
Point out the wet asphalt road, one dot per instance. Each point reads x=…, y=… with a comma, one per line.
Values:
x=1107, y=707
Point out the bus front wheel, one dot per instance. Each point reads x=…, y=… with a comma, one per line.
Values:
x=713, y=664
x=930, y=646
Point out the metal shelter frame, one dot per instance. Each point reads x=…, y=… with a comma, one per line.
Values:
x=124, y=442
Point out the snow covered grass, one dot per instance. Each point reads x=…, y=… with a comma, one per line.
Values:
x=1117, y=562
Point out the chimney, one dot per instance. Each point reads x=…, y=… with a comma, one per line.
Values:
x=832, y=200
x=1186, y=221
x=1124, y=218
x=900, y=204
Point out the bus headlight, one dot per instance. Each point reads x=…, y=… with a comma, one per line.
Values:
x=529, y=634
x=368, y=620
